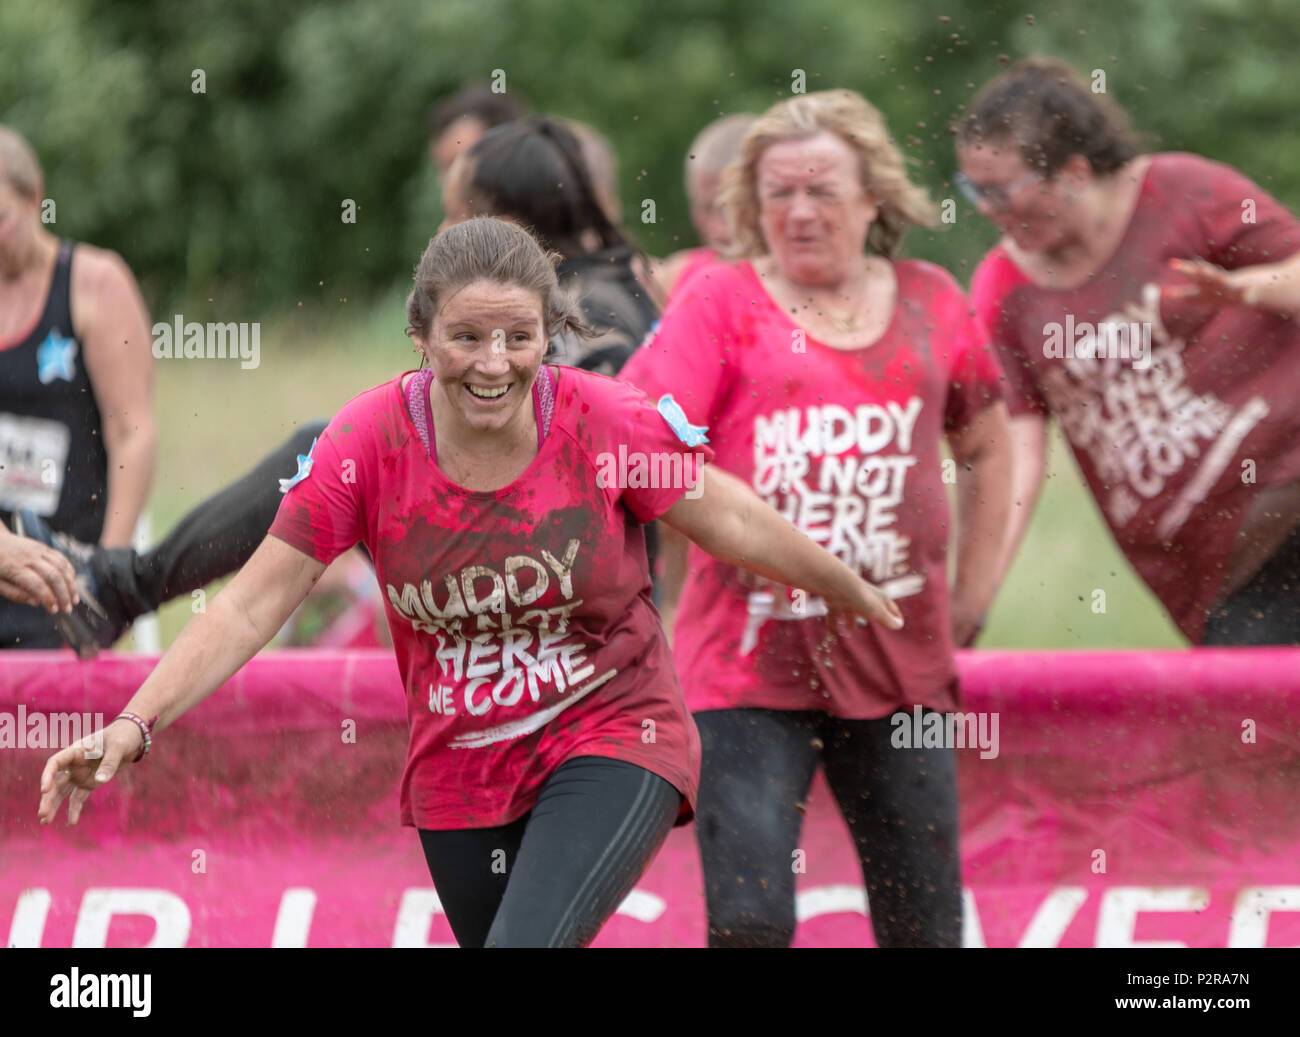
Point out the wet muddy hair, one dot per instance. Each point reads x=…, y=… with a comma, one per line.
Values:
x=488, y=249
x=1051, y=114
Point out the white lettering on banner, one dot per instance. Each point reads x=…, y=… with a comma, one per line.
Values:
x=822, y=468
x=1117, y=918
x=1140, y=427
x=169, y=912
x=1118, y=913
x=502, y=656
x=418, y=908
x=293, y=920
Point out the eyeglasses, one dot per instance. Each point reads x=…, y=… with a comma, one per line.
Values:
x=993, y=195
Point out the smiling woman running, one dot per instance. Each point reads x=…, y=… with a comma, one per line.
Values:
x=546, y=718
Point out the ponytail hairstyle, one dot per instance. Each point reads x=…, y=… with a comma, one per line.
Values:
x=532, y=171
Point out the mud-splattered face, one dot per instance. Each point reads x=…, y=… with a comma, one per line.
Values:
x=1034, y=211
x=485, y=348
x=813, y=210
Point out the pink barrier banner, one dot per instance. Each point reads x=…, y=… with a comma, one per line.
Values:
x=1107, y=799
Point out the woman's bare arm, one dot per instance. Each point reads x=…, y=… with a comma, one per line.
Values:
x=731, y=523
x=239, y=621
x=983, y=454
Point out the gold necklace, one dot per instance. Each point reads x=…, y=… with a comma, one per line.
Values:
x=847, y=321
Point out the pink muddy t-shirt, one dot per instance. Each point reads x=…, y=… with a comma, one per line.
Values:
x=1175, y=445
x=845, y=444
x=521, y=617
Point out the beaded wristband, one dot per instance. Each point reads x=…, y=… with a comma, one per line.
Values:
x=145, y=729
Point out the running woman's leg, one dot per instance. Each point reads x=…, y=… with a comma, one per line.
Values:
x=470, y=868
x=596, y=827
x=901, y=808
x=757, y=767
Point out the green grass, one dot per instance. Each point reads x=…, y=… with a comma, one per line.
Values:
x=1047, y=598
x=216, y=421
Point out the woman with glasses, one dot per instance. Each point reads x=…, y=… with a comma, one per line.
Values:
x=1149, y=302
x=828, y=373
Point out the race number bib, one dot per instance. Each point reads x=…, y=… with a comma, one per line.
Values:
x=33, y=458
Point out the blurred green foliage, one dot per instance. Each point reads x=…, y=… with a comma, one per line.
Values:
x=235, y=194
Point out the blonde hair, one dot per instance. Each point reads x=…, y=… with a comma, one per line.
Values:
x=19, y=165
x=880, y=165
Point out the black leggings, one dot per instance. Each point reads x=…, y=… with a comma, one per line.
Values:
x=900, y=805
x=553, y=877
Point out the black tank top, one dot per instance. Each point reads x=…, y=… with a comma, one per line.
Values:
x=52, y=456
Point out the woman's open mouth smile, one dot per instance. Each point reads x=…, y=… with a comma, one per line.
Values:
x=488, y=394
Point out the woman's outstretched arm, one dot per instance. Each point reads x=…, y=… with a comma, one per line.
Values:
x=731, y=523
x=239, y=621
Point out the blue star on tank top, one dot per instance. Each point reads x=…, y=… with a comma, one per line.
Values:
x=55, y=358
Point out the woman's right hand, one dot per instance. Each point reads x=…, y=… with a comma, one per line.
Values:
x=730, y=522
x=864, y=601
x=33, y=574
x=83, y=767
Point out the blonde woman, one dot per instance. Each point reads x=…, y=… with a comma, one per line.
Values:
x=827, y=372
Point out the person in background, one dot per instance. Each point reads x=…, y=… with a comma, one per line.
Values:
x=602, y=165
x=828, y=372
x=77, y=434
x=712, y=150
x=1150, y=303
x=458, y=122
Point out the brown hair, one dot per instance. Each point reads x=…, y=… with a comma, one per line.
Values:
x=18, y=164
x=1046, y=108
x=477, y=102
x=858, y=124
x=487, y=249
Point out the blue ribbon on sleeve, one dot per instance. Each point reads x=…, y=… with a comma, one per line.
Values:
x=691, y=435
x=304, y=470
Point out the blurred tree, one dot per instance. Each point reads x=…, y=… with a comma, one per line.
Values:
x=235, y=194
